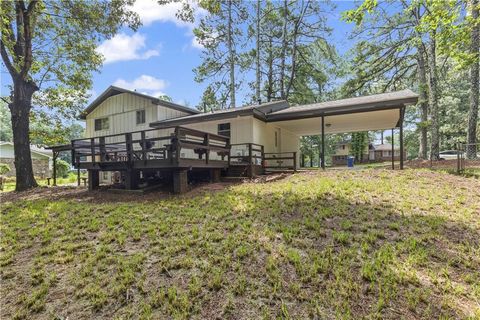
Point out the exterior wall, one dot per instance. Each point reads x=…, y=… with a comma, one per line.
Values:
x=240, y=128
x=264, y=134
x=342, y=150
x=41, y=167
x=121, y=112
x=42, y=164
x=248, y=129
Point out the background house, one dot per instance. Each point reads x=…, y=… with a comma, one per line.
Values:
x=41, y=160
x=371, y=153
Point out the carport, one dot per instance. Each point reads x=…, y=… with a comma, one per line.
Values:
x=375, y=112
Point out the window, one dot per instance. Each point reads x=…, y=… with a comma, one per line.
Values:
x=140, y=116
x=276, y=139
x=343, y=147
x=105, y=175
x=101, y=124
x=224, y=129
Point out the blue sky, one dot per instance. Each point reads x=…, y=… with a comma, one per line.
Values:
x=159, y=57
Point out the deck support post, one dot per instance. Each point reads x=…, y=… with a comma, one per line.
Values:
x=215, y=175
x=54, y=168
x=131, y=179
x=402, y=110
x=393, y=150
x=180, y=181
x=322, y=158
x=78, y=176
x=93, y=179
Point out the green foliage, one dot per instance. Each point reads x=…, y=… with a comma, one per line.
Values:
x=359, y=145
x=62, y=168
x=209, y=100
x=6, y=123
x=4, y=168
x=65, y=36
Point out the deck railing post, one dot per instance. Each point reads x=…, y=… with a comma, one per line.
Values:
x=206, y=142
x=229, y=147
x=294, y=162
x=73, y=155
x=250, y=159
x=54, y=168
x=128, y=146
x=92, y=149
x=263, y=156
x=176, y=146
x=102, y=149
x=143, y=143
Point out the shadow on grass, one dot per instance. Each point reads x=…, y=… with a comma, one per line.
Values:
x=255, y=251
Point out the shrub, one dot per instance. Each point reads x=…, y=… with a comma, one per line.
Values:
x=62, y=168
x=4, y=168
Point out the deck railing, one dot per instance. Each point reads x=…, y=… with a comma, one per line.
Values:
x=171, y=144
x=280, y=161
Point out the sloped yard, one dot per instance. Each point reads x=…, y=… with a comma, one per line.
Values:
x=338, y=244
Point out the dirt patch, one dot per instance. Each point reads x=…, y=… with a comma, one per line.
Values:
x=104, y=195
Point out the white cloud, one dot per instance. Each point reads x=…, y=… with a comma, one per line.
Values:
x=123, y=47
x=196, y=44
x=145, y=84
x=150, y=11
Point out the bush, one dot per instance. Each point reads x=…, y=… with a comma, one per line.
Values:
x=4, y=168
x=62, y=168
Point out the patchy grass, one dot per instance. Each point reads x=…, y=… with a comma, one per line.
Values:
x=338, y=244
x=71, y=179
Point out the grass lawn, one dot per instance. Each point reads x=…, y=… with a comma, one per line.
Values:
x=336, y=244
x=71, y=179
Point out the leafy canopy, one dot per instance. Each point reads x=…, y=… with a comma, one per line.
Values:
x=54, y=49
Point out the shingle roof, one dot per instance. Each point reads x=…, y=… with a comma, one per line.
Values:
x=113, y=90
x=259, y=110
x=281, y=110
x=391, y=98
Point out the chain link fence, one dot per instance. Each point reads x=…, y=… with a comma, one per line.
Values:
x=468, y=157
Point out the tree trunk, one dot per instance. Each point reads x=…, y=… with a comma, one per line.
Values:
x=284, y=51
x=423, y=102
x=474, y=83
x=231, y=56
x=270, y=71
x=20, y=112
x=433, y=98
x=258, y=75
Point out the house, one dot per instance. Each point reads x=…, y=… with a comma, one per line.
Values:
x=41, y=159
x=371, y=153
x=135, y=139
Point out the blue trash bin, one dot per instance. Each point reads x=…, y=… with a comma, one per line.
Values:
x=350, y=161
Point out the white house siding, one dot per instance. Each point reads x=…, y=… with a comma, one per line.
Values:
x=240, y=131
x=121, y=111
x=264, y=134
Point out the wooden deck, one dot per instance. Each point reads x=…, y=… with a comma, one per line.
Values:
x=152, y=149
x=174, y=151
